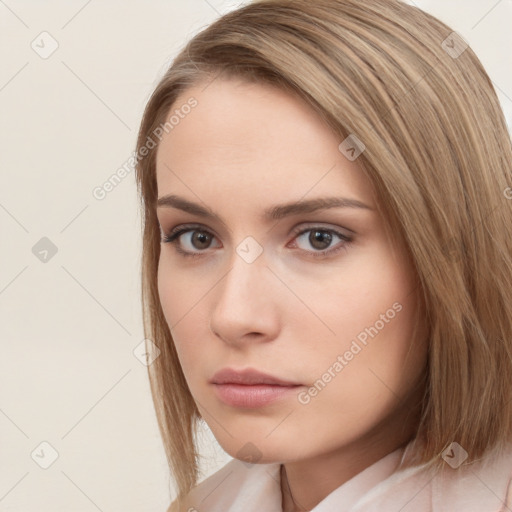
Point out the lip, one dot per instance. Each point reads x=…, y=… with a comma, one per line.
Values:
x=248, y=376
x=250, y=388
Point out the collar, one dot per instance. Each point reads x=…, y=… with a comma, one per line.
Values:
x=482, y=486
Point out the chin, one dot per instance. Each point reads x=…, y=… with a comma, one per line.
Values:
x=263, y=451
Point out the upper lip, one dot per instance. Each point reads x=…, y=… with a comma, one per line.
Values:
x=248, y=376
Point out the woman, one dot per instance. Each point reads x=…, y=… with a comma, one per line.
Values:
x=327, y=266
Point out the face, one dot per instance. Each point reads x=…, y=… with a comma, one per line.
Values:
x=319, y=298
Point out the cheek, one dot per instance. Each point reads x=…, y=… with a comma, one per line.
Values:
x=351, y=297
x=393, y=352
x=178, y=291
x=180, y=299
x=174, y=302
x=370, y=305
x=373, y=377
x=167, y=293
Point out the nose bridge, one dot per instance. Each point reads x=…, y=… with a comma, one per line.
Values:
x=244, y=301
x=246, y=279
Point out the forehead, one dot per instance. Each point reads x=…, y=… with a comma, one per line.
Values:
x=255, y=140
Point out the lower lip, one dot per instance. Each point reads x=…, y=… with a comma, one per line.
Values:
x=252, y=396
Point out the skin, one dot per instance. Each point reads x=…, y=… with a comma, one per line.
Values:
x=243, y=148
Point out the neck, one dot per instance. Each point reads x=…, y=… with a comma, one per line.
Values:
x=288, y=502
x=305, y=483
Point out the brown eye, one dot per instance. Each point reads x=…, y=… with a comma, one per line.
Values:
x=319, y=242
x=200, y=239
x=319, y=239
x=195, y=244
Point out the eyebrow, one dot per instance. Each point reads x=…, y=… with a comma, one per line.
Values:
x=275, y=212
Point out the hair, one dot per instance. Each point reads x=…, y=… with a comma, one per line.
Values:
x=437, y=151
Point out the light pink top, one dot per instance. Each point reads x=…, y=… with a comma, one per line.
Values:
x=483, y=486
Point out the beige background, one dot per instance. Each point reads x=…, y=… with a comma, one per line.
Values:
x=69, y=324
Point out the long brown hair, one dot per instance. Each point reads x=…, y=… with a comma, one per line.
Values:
x=440, y=157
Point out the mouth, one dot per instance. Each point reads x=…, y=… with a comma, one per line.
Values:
x=249, y=376
x=251, y=388
x=251, y=396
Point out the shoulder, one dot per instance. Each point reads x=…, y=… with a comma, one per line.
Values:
x=484, y=485
x=237, y=485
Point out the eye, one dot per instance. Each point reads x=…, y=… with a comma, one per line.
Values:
x=320, y=239
x=198, y=238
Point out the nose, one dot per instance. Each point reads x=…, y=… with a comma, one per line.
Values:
x=246, y=304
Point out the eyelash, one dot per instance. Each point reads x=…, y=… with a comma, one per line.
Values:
x=174, y=235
